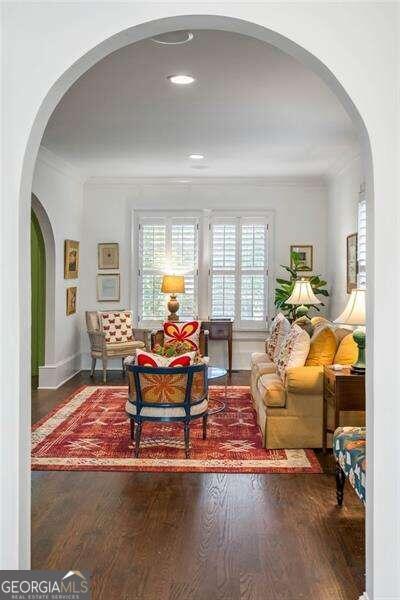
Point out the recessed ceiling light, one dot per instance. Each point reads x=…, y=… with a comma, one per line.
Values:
x=181, y=79
x=172, y=38
x=197, y=156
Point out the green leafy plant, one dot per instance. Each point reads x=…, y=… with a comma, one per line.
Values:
x=285, y=288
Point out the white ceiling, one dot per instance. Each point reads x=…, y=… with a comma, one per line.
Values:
x=253, y=111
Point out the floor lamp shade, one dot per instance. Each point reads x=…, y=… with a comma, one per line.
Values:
x=173, y=284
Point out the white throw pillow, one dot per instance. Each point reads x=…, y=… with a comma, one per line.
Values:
x=294, y=351
x=280, y=328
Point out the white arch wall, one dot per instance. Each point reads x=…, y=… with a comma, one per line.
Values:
x=357, y=42
x=59, y=189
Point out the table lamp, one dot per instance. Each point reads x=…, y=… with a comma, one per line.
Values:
x=302, y=296
x=173, y=284
x=354, y=314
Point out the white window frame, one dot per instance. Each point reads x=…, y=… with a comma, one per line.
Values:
x=159, y=217
x=204, y=219
x=240, y=218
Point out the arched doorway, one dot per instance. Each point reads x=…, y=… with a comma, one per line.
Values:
x=155, y=27
x=38, y=298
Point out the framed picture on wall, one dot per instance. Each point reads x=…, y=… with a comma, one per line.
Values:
x=71, y=259
x=305, y=254
x=108, y=256
x=108, y=287
x=352, y=265
x=71, y=300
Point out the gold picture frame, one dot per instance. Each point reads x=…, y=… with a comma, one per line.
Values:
x=351, y=262
x=108, y=287
x=108, y=256
x=71, y=300
x=306, y=255
x=71, y=259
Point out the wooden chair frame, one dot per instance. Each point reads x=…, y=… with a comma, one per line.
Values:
x=140, y=403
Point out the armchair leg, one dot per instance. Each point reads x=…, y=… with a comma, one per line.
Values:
x=132, y=421
x=205, y=417
x=137, y=440
x=186, y=434
x=104, y=370
x=94, y=360
x=340, y=481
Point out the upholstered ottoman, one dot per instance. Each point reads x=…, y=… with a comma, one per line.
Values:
x=349, y=448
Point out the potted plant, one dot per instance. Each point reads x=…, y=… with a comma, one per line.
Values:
x=285, y=287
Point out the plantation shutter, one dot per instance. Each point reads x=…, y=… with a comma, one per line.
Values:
x=239, y=271
x=362, y=242
x=184, y=255
x=152, y=253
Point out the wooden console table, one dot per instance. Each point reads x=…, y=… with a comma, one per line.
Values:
x=221, y=329
x=345, y=391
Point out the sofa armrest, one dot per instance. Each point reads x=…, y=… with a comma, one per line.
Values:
x=305, y=380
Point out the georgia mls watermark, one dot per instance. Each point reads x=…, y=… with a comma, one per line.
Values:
x=44, y=585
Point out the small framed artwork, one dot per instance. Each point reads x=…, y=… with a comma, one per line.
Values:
x=71, y=259
x=352, y=265
x=108, y=288
x=108, y=256
x=71, y=300
x=305, y=254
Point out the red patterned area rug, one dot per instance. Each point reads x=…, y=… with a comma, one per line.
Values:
x=90, y=432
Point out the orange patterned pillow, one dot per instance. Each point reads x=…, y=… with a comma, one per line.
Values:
x=183, y=332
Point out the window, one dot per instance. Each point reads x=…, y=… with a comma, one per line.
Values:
x=229, y=259
x=239, y=270
x=166, y=245
x=362, y=241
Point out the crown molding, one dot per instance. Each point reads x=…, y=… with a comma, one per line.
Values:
x=311, y=182
x=60, y=165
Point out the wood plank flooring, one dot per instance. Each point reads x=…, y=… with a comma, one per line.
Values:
x=190, y=536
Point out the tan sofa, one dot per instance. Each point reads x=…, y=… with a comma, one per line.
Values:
x=289, y=412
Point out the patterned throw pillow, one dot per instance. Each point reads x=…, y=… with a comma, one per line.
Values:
x=183, y=332
x=294, y=351
x=117, y=326
x=279, y=330
x=148, y=359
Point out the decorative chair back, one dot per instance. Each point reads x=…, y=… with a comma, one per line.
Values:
x=167, y=388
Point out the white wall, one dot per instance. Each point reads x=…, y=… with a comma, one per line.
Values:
x=300, y=217
x=344, y=188
x=59, y=190
x=46, y=48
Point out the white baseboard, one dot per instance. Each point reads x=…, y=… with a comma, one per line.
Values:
x=52, y=377
x=364, y=596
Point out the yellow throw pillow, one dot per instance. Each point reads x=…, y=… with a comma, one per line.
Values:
x=317, y=321
x=322, y=349
x=347, y=353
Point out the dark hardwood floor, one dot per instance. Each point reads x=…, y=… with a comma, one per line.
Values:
x=187, y=536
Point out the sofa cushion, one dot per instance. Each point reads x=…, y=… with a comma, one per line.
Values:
x=294, y=350
x=323, y=345
x=272, y=390
x=347, y=352
x=305, y=380
x=305, y=323
x=318, y=320
x=117, y=326
x=279, y=330
x=124, y=349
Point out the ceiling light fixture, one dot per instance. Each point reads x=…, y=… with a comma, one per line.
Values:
x=181, y=79
x=173, y=38
x=197, y=156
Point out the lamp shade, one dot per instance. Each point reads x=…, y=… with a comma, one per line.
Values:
x=354, y=313
x=302, y=294
x=173, y=284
